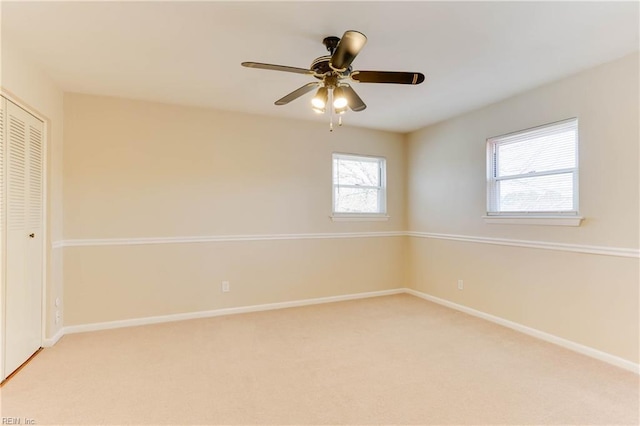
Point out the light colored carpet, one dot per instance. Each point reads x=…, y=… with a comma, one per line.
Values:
x=385, y=360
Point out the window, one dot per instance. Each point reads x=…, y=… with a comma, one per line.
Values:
x=534, y=172
x=359, y=186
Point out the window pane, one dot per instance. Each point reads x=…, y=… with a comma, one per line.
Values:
x=353, y=172
x=542, y=193
x=538, y=154
x=356, y=200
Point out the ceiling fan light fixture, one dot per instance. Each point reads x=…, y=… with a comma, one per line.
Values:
x=340, y=111
x=331, y=71
x=339, y=98
x=320, y=99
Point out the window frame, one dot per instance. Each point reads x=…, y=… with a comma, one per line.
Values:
x=561, y=217
x=381, y=214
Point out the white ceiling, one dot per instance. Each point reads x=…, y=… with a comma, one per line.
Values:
x=472, y=53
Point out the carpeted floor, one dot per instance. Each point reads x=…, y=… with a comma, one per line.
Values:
x=386, y=360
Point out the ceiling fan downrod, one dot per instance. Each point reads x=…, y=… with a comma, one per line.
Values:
x=331, y=43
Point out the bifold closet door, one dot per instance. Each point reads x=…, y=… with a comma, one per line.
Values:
x=23, y=171
x=3, y=231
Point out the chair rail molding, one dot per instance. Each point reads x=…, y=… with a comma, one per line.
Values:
x=88, y=242
x=544, y=245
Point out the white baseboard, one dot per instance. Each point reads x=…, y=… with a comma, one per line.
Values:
x=568, y=344
x=48, y=342
x=224, y=311
x=576, y=347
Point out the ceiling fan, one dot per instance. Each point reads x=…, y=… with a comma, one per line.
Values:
x=333, y=72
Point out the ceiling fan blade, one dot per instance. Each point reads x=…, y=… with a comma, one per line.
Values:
x=394, y=77
x=353, y=100
x=297, y=93
x=348, y=48
x=276, y=67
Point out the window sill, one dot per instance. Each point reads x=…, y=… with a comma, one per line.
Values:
x=359, y=217
x=534, y=220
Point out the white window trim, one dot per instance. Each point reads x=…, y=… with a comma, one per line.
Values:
x=551, y=218
x=560, y=220
x=359, y=217
x=382, y=199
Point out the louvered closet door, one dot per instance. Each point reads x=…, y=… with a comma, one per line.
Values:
x=3, y=219
x=23, y=281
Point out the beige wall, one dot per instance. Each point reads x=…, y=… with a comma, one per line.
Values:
x=138, y=169
x=589, y=299
x=23, y=81
x=124, y=282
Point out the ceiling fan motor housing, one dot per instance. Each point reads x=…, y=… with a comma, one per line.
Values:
x=320, y=67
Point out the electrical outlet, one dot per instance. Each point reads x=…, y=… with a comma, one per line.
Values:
x=57, y=317
x=460, y=285
x=57, y=302
x=225, y=287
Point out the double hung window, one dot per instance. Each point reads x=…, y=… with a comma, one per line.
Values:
x=534, y=172
x=359, y=185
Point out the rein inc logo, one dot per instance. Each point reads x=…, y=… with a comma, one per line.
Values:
x=17, y=421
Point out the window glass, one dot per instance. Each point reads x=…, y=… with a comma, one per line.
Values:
x=534, y=171
x=359, y=184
